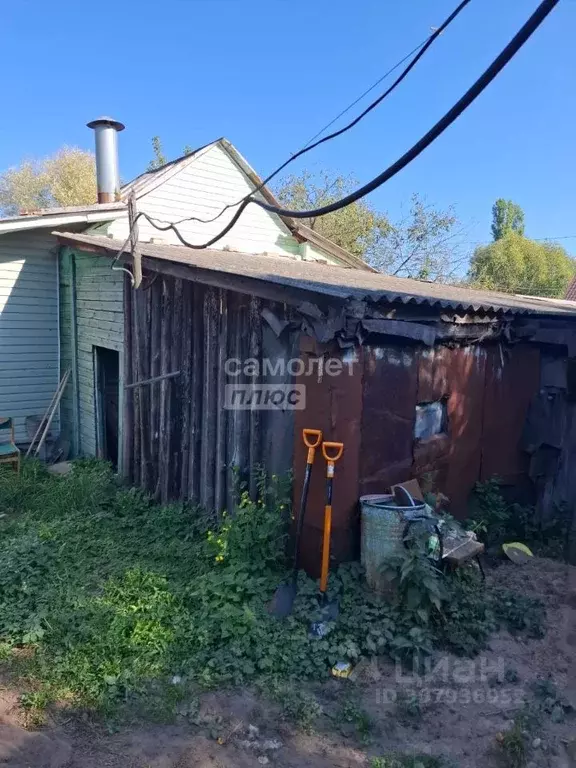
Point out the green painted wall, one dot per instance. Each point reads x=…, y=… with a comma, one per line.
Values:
x=91, y=291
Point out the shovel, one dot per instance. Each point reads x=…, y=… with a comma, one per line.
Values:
x=328, y=609
x=285, y=595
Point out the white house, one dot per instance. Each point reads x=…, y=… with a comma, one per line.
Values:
x=50, y=305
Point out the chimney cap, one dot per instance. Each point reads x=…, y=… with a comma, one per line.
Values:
x=106, y=121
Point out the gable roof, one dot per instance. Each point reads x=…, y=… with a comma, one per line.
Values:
x=150, y=180
x=341, y=283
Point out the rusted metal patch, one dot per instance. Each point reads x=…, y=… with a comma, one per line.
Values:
x=390, y=385
x=334, y=405
x=512, y=380
x=466, y=374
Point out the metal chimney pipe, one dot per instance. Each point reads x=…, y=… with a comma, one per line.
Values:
x=107, y=175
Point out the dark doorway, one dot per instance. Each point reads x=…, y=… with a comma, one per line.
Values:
x=107, y=379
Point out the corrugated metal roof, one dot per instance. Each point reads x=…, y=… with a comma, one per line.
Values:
x=337, y=282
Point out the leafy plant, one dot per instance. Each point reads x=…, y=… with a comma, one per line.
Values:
x=513, y=746
x=398, y=760
x=298, y=706
x=408, y=707
x=519, y=613
x=352, y=713
x=497, y=521
x=113, y=596
x=418, y=585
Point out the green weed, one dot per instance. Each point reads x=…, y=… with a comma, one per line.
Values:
x=299, y=706
x=353, y=714
x=497, y=521
x=398, y=760
x=513, y=746
x=112, y=596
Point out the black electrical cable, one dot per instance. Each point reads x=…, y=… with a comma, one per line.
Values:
x=366, y=92
x=308, y=147
x=527, y=30
x=471, y=94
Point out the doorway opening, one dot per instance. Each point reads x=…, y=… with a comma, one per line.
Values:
x=107, y=383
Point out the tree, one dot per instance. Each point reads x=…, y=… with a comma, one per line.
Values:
x=423, y=244
x=159, y=156
x=357, y=228
x=66, y=178
x=506, y=217
x=515, y=264
x=420, y=244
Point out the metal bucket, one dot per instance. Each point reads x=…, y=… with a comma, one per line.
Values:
x=383, y=523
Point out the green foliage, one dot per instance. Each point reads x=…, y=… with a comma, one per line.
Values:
x=549, y=702
x=408, y=707
x=398, y=760
x=419, y=244
x=515, y=264
x=467, y=620
x=513, y=746
x=68, y=177
x=496, y=521
x=356, y=228
x=160, y=158
x=113, y=596
x=506, y=217
x=419, y=587
x=422, y=244
x=351, y=713
x=519, y=613
x=298, y=705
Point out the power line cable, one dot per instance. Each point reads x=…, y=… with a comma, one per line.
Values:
x=526, y=31
x=366, y=92
x=309, y=146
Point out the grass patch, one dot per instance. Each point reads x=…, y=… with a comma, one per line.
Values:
x=108, y=597
x=398, y=760
x=513, y=746
x=497, y=521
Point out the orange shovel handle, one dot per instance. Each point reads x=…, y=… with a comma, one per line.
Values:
x=312, y=439
x=326, y=548
x=337, y=448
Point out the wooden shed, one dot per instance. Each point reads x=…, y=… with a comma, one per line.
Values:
x=415, y=378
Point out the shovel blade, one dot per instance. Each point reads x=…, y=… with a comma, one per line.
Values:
x=283, y=601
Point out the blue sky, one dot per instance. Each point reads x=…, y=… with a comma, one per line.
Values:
x=268, y=75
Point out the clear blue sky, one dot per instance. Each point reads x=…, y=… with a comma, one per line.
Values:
x=267, y=74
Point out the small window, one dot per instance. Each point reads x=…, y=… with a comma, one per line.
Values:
x=431, y=419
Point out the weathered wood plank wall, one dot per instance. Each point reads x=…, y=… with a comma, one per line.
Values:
x=180, y=442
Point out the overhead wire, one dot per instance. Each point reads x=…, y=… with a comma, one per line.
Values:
x=521, y=37
x=366, y=92
x=419, y=50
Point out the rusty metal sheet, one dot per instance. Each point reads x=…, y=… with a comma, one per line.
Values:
x=466, y=370
x=433, y=368
x=432, y=458
x=334, y=405
x=390, y=384
x=512, y=380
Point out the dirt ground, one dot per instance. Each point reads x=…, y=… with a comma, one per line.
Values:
x=456, y=712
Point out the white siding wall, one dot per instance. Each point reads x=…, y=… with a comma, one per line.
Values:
x=28, y=327
x=100, y=322
x=202, y=189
